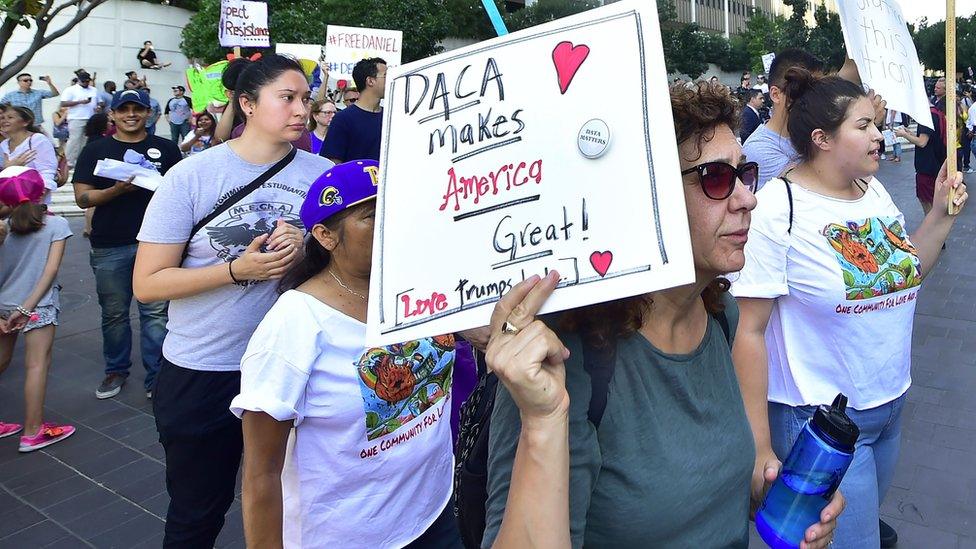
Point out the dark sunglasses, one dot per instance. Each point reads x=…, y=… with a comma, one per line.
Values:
x=26, y=79
x=718, y=179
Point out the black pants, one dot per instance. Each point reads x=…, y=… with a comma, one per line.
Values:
x=203, y=444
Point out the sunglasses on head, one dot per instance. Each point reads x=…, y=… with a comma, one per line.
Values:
x=717, y=179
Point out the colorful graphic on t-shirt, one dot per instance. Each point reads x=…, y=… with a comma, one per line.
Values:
x=400, y=382
x=875, y=256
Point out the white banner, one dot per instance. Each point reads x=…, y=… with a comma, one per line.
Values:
x=244, y=24
x=344, y=46
x=500, y=161
x=878, y=41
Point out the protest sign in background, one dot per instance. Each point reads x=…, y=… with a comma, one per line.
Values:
x=243, y=24
x=344, y=46
x=501, y=160
x=767, y=61
x=309, y=55
x=878, y=41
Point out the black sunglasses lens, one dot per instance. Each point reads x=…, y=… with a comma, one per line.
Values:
x=750, y=175
x=717, y=180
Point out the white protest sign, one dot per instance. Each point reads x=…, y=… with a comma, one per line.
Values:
x=344, y=46
x=243, y=24
x=878, y=41
x=500, y=161
x=767, y=61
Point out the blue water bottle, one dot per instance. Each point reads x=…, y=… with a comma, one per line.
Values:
x=809, y=477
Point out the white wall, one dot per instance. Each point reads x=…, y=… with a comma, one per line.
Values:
x=106, y=43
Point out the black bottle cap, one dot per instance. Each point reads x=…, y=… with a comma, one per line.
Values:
x=832, y=422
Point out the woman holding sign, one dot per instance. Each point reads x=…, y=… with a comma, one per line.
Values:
x=660, y=452
x=372, y=459
x=827, y=294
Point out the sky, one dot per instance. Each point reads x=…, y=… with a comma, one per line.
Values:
x=935, y=10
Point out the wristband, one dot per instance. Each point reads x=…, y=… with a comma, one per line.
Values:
x=31, y=315
x=230, y=269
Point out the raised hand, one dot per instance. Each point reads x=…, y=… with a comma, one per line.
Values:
x=525, y=354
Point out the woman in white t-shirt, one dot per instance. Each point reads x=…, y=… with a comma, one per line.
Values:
x=201, y=137
x=827, y=294
x=26, y=140
x=372, y=461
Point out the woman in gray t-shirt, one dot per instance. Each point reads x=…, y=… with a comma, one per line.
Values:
x=223, y=287
x=669, y=460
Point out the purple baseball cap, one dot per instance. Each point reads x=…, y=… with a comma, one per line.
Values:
x=343, y=186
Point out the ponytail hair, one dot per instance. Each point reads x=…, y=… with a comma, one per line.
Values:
x=27, y=218
x=316, y=259
x=816, y=103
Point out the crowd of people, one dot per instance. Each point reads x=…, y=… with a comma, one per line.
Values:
x=250, y=264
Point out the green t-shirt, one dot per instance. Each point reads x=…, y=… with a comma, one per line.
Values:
x=671, y=463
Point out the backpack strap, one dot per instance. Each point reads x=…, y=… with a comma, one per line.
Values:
x=600, y=364
x=789, y=197
x=723, y=321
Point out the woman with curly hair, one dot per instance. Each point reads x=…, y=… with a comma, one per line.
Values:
x=670, y=463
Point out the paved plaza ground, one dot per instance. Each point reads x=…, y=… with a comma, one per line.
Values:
x=104, y=487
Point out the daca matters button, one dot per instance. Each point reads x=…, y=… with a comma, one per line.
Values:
x=594, y=138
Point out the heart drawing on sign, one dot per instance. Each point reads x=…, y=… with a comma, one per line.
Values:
x=567, y=58
x=601, y=262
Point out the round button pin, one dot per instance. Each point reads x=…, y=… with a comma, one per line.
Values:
x=594, y=138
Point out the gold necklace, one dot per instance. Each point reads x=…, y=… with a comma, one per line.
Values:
x=347, y=288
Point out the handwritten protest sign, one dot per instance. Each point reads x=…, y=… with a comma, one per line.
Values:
x=767, y=61
x=344, y=46
x=502, y=160
x=878, y=41
x=243, y=24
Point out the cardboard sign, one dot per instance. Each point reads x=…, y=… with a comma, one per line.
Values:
x=344, y=46
x=505, y=159
x=878, y=41
x=243, y=24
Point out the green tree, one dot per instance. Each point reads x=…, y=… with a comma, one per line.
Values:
x=930, y=43
x=424, y=22
x=685, y=45
x=48, y=19
x=544, y=11
x=796, y=26
x=826, y=40
x=762, y=35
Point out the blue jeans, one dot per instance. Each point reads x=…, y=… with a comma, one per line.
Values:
x=179, y=131
x=113, y=282
x=869, y=475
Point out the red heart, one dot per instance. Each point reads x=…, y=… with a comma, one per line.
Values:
x=601, y=262
x=567, y=58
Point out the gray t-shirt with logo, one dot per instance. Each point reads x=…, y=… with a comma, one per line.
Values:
x=22, y=261
x=210, y=331
x=773, y=152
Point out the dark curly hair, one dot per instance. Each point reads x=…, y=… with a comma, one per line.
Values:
x=698, y=110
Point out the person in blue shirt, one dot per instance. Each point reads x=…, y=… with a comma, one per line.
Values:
x=355, y=131
x=25, y=96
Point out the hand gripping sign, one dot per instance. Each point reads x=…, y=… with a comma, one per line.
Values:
x=517, y=156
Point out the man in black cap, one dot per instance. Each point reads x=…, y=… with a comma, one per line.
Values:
x=118, y=216
x=178, y=112
x=81, y=100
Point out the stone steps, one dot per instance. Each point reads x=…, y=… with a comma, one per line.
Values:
x=63, y=202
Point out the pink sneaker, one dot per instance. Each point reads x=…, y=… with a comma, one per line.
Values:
x=7, y=429
x=47, y=435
